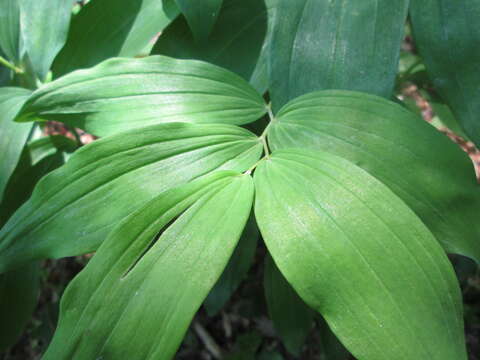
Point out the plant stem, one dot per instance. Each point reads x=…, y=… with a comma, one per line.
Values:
x=9, y=65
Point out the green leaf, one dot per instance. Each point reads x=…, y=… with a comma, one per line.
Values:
x=18, y=297
x=38, y=158
x=246, y=346
x=351, y=45
x=74, y=208
x=10, y=38
x=447, y=37
x=292, y=319
x=144, y=293
x=200, y=15
x=358, y=255
x=122, y=94
x=419, y=164
x=236, y=270
x=12, y=135
x=105, y=28
x=44, y=35
x=235, y=42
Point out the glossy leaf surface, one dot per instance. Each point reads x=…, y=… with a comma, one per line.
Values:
x=10, y=35
x=44, y=29
x=448, y=38
x=13, y=136
x=419, y=164
x=106, y=28
x=352, y=45
x=73, y=209
x=292, y=318
x=200, y=15
x=122, y=94
x=144, y=292
x=357, y=254
x=235, y=42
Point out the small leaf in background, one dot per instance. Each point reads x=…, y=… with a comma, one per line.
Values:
x=419, y=164
x=358, y=255
x=246, y=346
x=236, y=270
x=73, y=209
x=200, y=15
x=235, y=42
x=270, y=355
x=351, y=45
x=145, y=291
x=448, y=38
x=38, y=158
x=10, y=33
x=19, y=292
x=105, y=28
x=122, y=94
x=332, y=348
x=292, y=318
x=13, y=135
x=44, y=26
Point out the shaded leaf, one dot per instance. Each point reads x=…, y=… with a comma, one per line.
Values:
x=235, y=42
x=357, y=254
x=236, y=270
x=12, y=135
x=448, y=38
x=18, y=297
x=122, y=94
x=104, y=29
x=43, y=35
x=292, y=318
x=200, y=15
x=332, y=348
x=73, y=209
x=10, y=36
x=38, y=158
x=419, y=164
x=144, y=292
x=352, y=45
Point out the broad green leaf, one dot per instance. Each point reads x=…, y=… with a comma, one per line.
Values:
x=13, y=136
x=107, y=28
x=144, y=292
x=419, y=164
x=10, y=38
x=292, y=319
x=122, y=94
x=19, y=291
x=448, y=39
x=44, y=35
x=358, y=255
x=235, y=42
x=38, y=158
x=73, y=209
x=200, y=15
x=337, y=44
x=236, y=270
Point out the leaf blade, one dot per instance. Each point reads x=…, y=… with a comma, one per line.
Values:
x=105, y=181
x=122, y=94
x=118, y=31
x=396, y=147
x=360, y=44
x=340, y=220
x=211, y=214
x=13, y=135
x=448, y=43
